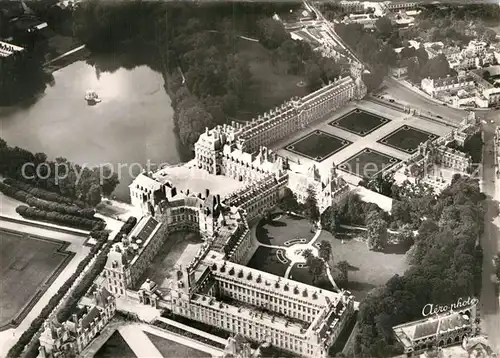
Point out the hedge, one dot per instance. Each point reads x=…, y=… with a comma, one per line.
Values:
x=21, y=195
x=43, y=194
x=55, y=217
x=126, y=228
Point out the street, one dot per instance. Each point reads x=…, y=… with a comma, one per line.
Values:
x=489, y=301
x=405, y=95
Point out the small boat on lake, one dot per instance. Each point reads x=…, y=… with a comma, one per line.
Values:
x=92, y=97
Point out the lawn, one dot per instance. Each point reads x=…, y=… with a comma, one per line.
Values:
x=28, y=266
x=271, y=84
x=367, y=163
x=359, y=122
x=407, y=138
x=318, y=145
x=265, y=259
x=171, y=349
x=282, y=228
x=115, y=346
x=368, y=268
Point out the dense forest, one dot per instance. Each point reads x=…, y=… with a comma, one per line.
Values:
x=199, y=46
x=445, y=263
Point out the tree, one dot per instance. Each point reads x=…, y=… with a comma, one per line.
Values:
x=437, y=67
x=325, y=251
x=384, y=26
x=377, y=235
x=307, y=253
x=315, y=267
x=271, y=33
x=343, y=270
x=311, y=205
x=313, y=75
x=289, y=201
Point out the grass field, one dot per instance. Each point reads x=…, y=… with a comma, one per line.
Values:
x=318, y=145
x=367, y=163
x=283, y=228
x=171, y=349
x=28, y=265
x=407, y=138
x=368, y=268
x=272, y=85
x=115, y=347
x=265, y=259
x=359, y=122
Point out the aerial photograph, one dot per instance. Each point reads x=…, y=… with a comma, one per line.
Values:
x=244, y=179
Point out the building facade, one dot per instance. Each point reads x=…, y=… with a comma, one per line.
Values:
x=261, y=307
x=72, y=336
x=437, y=331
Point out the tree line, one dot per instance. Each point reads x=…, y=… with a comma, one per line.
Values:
x=56, y=180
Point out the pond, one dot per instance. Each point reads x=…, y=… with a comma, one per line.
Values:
x=133, y=125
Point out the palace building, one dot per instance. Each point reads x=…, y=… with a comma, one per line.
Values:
x=437, y=331
x=95, y=310
x=211, y=284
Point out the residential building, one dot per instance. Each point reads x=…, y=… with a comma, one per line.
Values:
x=367, y=20
x=396, y=6
x=352, y=6
x=95, y=310
x=449, y=85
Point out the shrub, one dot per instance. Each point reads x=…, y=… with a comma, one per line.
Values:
x=58, y=218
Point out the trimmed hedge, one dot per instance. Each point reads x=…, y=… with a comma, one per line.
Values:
x=126, y=228
x=55, y=217
x=31, y=200
x=43, y=194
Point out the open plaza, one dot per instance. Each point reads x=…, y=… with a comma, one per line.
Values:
x=360, y=139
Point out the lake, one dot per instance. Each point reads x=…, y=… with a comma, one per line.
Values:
x=131, y=126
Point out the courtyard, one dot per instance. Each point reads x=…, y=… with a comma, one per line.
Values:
x=368, y=269
x=407, y=139
x=318, y=145
x=179, y=248
x=359, y=122
x=367, y=163
x=28, y=266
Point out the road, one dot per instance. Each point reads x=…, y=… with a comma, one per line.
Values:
x=405, y=95
x=490, y=313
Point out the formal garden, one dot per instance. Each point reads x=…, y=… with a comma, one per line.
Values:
x=115, y=346
x=359, y=122
x=28, y=267
x=171, y=349
x=318, y=145
x=407, y=139
x=367, y=163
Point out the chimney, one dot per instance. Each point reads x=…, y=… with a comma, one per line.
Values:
x=207, y=193
x=206, y=130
